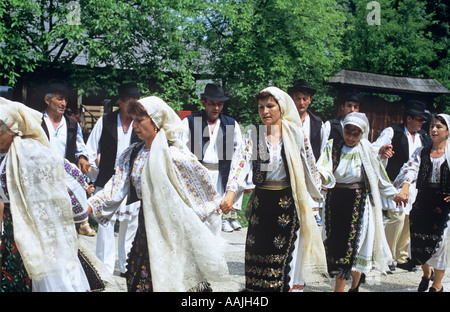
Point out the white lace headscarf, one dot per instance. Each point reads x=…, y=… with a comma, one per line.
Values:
x=447, y=145
x=382, y=253
x=313, y=259
x=44, y=230
x=175, y=187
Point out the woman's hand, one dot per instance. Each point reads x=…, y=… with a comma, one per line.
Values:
x=403, y=196
x=227, y=202
x=447, y=197
x=89, y=210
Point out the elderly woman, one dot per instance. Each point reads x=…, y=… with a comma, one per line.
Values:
x=173, y=249
x=353, y=228
x=283, y=240
x=429, y=167
x=39, y=240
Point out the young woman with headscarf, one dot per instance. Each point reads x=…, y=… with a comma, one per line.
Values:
x=173, y=249
x=429, y=219
x=283, y=242
x=43, y=196
x=353, y=227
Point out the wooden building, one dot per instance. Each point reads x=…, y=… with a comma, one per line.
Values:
x=381, y=112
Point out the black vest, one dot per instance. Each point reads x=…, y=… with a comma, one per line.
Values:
x=315, y=134
x=198, y=140
x=426, y=166
x=336, y=131
x=71, y=141
x=401, y=149
x=108, y=148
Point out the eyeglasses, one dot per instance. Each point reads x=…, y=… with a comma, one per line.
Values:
x=419, y=119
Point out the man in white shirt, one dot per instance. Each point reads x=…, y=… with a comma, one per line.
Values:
x=302, y=93
x=213, y=137
x=65, y=134
x=111, y=135
x=395, y=145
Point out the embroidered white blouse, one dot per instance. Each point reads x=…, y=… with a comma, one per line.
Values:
x=410, y=170
x=242, y=164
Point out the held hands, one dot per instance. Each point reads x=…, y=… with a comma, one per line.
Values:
x=84, y=165
x=227, y=202
x=386, y=151
x=403, y=196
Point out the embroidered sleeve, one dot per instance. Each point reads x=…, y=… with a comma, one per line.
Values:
x=75, y=184
x=325, y=166
x=241, y=165
x=197, y=189
x=106, y=201
x=410, y=170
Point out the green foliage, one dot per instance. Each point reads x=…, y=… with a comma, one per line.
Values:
x=246, y=45
x=254, y=44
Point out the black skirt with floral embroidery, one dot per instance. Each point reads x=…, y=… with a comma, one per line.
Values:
x=343, y=218
x=271, y=237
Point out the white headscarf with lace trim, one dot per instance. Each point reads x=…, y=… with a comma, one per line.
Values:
x=382, y=254
x=44, y=230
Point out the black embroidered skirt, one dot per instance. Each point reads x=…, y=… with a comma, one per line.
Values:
x=270, y=240
x=428, y=220
x=343, y=218
x=138, y=273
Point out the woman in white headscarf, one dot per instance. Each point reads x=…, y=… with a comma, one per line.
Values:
x=173, y=249
x=429, y=219
x=39, y=220
x=353, y=227
x=283, y=241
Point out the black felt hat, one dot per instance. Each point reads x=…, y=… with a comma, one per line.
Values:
x=301, y=85
x=57, y=86
x=214, y=92
x=416, y=108
x=352, y=95
x=129, y=89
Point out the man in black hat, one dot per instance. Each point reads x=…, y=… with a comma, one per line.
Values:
x=302, y=93
x=396, y=145
x=334, y=128
x=111, y=135
x=214, y=137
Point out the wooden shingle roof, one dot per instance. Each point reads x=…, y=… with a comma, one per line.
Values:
x=382, y=83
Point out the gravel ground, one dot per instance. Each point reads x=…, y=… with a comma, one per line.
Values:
x=399, y=281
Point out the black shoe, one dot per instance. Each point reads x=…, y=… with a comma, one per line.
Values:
x=425, y=282
x=408, y=266
x=432, y=289
x=391, y=268
x=362, y=280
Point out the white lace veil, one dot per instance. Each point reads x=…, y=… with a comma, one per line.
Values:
x=183, y=251
x=44, y=230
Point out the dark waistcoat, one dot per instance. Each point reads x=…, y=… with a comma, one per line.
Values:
x=198, y=140
x=401, y=149
x=71, y=141
x=108, y=148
